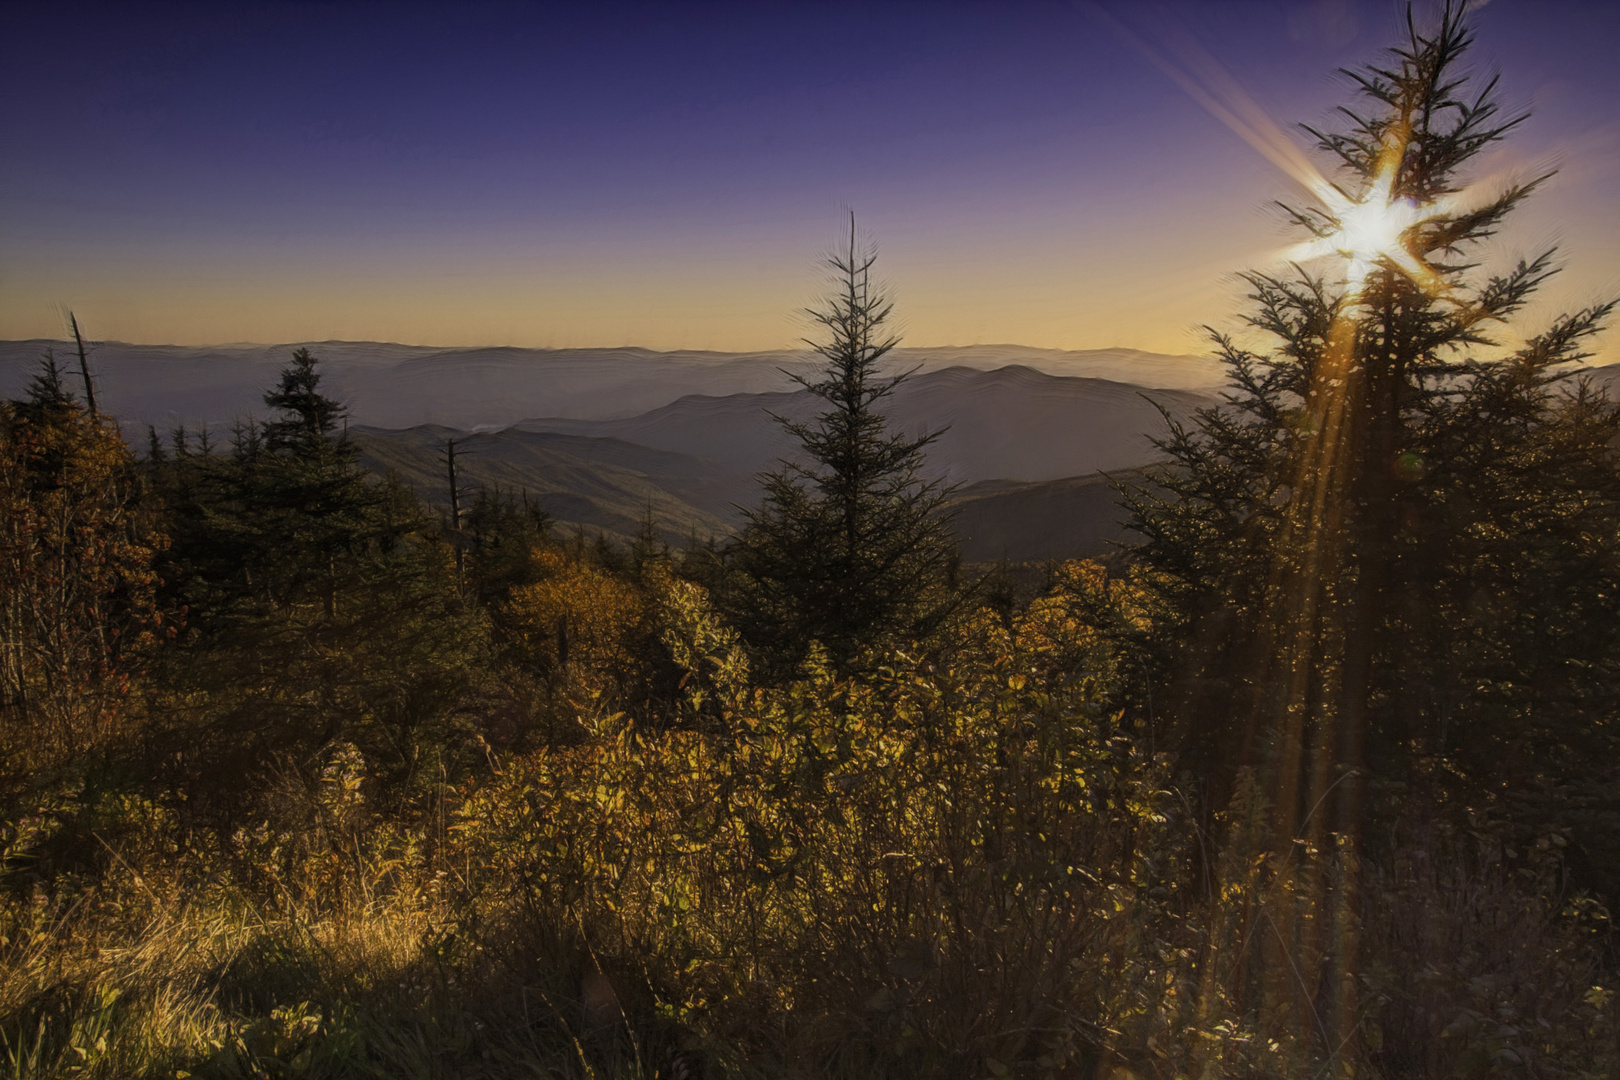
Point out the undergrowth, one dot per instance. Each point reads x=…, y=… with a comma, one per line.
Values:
x=965, y=864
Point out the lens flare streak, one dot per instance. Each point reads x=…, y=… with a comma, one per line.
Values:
x=1376, y=227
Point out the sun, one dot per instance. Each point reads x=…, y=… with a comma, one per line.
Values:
x=1373, y=230
x=1376, y=228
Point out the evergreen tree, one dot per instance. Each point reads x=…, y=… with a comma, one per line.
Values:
x=309, y=419
x=325, y=607
x=508, y=535
x=45, y=389
x=312, y=505
x=1381, y=490
x=1394, y=554
x=272, y=523
x=851, y=546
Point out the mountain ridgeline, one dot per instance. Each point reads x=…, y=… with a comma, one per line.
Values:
x=398, y=386
x=603, y=439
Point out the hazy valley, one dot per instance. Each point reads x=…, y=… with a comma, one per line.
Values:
x=602, y=438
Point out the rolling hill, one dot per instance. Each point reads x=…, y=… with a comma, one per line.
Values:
x=1011, y=423
x=599, y=484
x=610, y=486
x=1078, y=516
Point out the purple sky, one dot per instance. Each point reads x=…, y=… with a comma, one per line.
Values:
x=667, y=175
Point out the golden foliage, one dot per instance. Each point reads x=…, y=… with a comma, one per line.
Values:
x=76, y=578
x=950, y=849
x=579, y=614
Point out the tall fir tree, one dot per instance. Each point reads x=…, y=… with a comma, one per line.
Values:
x=1393, y=556
x=851, y=545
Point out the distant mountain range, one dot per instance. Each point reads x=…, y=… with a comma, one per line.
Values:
x=602, y=438
x=693, y=463
x=399, y=386
x=1010, y=423
x=610, y=486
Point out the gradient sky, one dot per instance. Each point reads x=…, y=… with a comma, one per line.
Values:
x=667, y=175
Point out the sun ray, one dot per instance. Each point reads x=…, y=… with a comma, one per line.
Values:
x=1374, y=228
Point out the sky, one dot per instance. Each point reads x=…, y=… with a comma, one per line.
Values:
x=670, y=175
